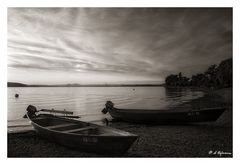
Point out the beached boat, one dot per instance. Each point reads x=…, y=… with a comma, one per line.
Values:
x=80, y=135
x=163, y=116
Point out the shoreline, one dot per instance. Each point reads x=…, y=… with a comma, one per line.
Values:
x=189, y=140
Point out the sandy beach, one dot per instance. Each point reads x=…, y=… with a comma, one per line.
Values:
x=190, y=140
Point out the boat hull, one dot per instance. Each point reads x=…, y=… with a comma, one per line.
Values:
x=106, y=145
x=165, y=117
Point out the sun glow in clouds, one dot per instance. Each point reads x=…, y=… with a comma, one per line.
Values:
x=114, y=45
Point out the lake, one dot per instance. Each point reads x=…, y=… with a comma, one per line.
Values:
x=89, y=101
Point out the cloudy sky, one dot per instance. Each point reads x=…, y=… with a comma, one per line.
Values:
x=114, y=45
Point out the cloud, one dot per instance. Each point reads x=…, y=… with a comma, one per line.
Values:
x=121, y=42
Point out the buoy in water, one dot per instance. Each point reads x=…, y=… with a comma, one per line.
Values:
x=16, y=95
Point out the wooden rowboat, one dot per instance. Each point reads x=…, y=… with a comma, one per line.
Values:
x=163, y=116
x=80, y=135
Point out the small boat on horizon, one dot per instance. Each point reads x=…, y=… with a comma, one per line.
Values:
x=80, y=135
x=163, y=116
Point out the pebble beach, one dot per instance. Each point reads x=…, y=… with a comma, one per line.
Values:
x=213, y=139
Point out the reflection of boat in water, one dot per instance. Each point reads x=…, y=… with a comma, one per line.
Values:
x=163, y=116
x=80, y=135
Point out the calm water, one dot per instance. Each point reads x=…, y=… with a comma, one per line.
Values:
x=89, y=101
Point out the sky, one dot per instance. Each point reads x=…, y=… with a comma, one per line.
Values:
x=114, y=45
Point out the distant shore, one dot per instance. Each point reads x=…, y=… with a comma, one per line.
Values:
x=210, y=139
x=14, y=84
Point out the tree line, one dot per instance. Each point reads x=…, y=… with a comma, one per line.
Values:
x=214, y=77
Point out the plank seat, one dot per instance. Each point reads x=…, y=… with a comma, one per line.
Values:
x=107, y=134
x=79, y=129
x=60, y=125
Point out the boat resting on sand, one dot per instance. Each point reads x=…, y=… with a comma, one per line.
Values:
x=163, y=116
x=80, y=135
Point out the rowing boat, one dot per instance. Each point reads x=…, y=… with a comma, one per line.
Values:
x=80, y=135
x=163, y=116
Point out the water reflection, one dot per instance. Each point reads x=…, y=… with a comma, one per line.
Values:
x=89, y=101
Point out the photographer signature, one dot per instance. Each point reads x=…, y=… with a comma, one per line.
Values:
x=220, y=153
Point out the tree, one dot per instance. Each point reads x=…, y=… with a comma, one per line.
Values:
x=171, y=80
x=214, y=76
x=224, y=73
x=210, y=74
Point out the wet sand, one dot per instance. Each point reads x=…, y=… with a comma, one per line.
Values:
x=190, y=140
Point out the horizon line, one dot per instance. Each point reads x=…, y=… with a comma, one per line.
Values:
x=16, y=84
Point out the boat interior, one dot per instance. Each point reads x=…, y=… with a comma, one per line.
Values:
x=65, y=126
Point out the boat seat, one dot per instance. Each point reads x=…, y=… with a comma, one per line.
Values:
x=107, y=134
x=60, y=125
x=79, y=129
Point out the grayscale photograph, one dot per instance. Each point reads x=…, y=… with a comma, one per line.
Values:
x=119, y=82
